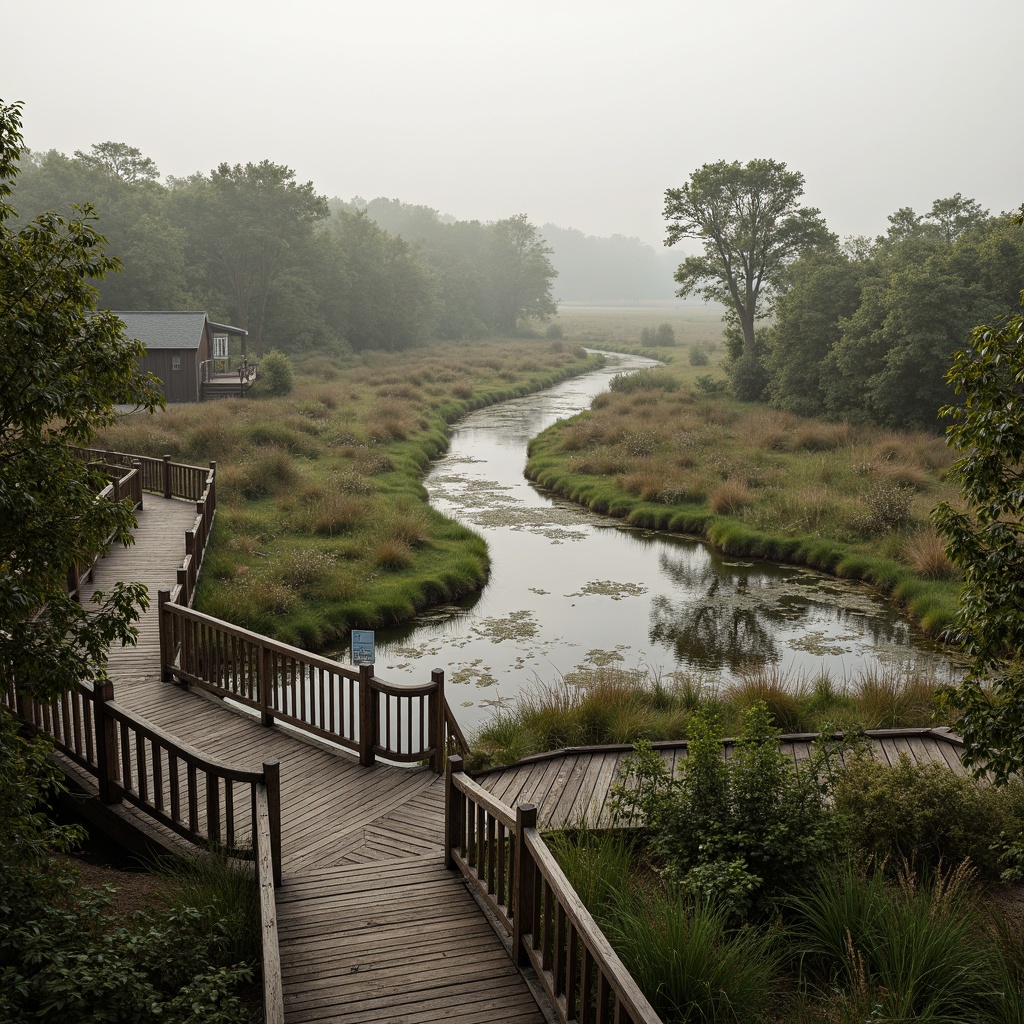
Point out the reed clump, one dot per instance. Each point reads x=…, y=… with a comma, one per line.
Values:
x=616, y=705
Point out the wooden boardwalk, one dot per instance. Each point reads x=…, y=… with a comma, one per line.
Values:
x=573, y=787
x=372, y=926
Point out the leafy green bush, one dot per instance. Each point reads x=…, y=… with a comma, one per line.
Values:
x=708, y=385
x=920, y=813
x=664, y=336
x=757, y=818
x=699, y=356
x=276, y=376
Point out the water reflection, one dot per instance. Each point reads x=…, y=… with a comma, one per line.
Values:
x=713, y=636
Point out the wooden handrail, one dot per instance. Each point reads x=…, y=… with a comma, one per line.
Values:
x=319, y=696
x=169, y=780
x=503, y=856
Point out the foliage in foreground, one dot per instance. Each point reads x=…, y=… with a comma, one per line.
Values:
x=985, y=541
x=63, y=366
x=61, y=957
x=834, y=934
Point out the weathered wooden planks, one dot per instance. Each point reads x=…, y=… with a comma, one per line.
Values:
x=371, y=926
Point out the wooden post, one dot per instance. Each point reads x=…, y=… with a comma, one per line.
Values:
x=167, y=476
x=368, y=716
x=163, y=619
x=181, y=578
x=435, y=727
x=137, y=486
x=454, y=801
x=211, y=498
x=272, y=776
x=265, y=685
x=106, y=742
x=522, y=884
x=75, y=581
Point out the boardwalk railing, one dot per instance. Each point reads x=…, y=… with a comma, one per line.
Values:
x=503, y=856
x=207, y=802
x=347, y=706
x=171, y=480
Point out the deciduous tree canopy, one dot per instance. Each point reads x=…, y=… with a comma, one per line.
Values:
x=752, y=225
x=63, y=367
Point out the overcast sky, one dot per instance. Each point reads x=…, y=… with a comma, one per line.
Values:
x=576, y=112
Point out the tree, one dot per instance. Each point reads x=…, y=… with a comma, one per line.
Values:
x=752, y=226
x=123, y=161
x=247, y=226
x=520, y=273
x=986, y=540
x=63, y=367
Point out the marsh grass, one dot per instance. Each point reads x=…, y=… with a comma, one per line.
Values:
x=613, y=705
x=334, y=468
x=777, y=485
x=687, y=957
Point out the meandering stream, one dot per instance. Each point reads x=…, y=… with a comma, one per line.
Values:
x=570, y=588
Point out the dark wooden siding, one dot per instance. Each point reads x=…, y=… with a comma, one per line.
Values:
x=178, y=385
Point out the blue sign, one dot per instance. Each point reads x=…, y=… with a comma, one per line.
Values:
x=362, y=647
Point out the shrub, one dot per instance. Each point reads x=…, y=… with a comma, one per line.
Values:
x=653, y=379
x=699, y=356
x=749, y=378
x=920, y=813
x=758, y=818
x=276, y=374
x=709, y=385
x=664, y=336
x=888, y=509
x=554, y=332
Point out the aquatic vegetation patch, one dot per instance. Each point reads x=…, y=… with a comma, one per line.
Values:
x=518, y=625
x=610, y=588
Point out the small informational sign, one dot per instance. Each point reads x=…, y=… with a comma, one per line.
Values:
x=362, y=647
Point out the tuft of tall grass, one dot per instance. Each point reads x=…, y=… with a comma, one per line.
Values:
x=785, y=698
x=729, y=498
x=915, y=946
x=893, y=697
x=225, y=893
x=926, y=555
x=691, y=964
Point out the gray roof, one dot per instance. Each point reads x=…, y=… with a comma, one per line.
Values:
x=163, y=330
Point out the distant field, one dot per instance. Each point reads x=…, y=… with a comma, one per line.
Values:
x=693, y=322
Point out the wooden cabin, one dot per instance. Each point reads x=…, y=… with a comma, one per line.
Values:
x=193, y=357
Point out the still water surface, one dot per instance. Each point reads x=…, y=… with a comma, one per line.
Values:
x=569, y=588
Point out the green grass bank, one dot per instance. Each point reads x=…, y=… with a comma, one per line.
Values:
x=323, y=524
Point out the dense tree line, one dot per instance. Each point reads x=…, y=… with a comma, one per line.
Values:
x=256, y=248
x=867, y=330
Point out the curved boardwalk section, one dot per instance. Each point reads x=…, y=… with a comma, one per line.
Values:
x=573, y=787
x=372, y=926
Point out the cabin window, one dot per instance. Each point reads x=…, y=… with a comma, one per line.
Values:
x=175, y=362
x=220, y=346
